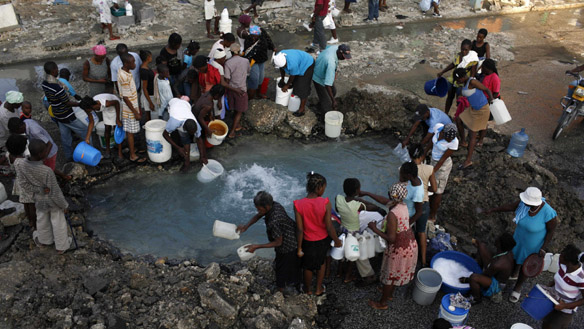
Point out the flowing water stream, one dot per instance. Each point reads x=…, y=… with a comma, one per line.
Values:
x=172, y=214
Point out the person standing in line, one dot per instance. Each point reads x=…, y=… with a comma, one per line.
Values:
x=173, y=55
x=96, y=71
x=373, y=13
x=236, y=71
x=210, y=13
x=130, y=111
x=147, y=90
x=117, y=64
x=9, y=109
x=257, y=46
x=325, y=71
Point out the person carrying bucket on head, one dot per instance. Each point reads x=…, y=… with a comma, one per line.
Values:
x=182, y=122
x=281, y=230
x=497, y=269
x=569, y=285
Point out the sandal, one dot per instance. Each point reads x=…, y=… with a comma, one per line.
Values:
x=138, y=160
x=463, y=167
x=298, y=114
x=377, y=306
x=514, y=297
x=323, y=291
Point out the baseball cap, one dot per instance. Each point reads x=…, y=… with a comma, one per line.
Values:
x=345, y=50
x=421, y=111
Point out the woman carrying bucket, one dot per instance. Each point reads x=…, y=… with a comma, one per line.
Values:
x=569, y=285
x=536, y=222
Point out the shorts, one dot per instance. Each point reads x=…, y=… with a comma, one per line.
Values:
x=558, y=320
x=314, y=253
x=144, y=102
x=51, y=162
x=256, y=76
x=236, y=102
x=210, y=10
x=131, y=126
x=109, y=117
x=287, y=269
x=442, y=175
x=302, y=83
x=493, y=288
x=423, y=220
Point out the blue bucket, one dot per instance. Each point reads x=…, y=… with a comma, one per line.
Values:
x=119, y=135
x=462, y=259
x=86, y=154
x=457, y=317
x=437, y=87
x=538, y=303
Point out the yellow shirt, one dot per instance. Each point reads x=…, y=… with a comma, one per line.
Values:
x=127, y=88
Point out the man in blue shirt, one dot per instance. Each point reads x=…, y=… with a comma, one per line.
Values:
x=324, y=75
x=299, y=65
x=431, y=116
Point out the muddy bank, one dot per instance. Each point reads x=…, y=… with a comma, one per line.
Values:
x=97, y=286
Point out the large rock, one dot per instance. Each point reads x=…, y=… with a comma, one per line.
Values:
x=13, y=275
x=8, y=19
x=264, y=115
x=303, y=124
x=76, y=170
x=222, y=312
x=13, y=217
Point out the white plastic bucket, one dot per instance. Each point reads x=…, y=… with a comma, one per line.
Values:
x=294, y=103
x=338, y=253
x=499, y=112
x=370, y=244
x=378, y=246
x=82, y=116
x=333, y=122
x=225, y=230
x=194, y=153
x=428, y=283
x=100, y=130
x=243, y=254
x=282, y=98
x=159, y=150
x=555, y=264
x=521, y=326
x=351, y=248
x=363, y=253
x=210, y=171
x=217, y=139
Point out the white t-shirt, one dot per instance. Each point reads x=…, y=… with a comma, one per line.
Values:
x=218, y=45
x=5, y=115
x=179, y=112
x=109, y=113
x=441, y=146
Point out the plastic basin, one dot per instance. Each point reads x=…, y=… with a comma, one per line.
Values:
x=460, y=258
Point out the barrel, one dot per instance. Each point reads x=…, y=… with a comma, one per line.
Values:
x=159, y=150
x=86, y=154
x=456, y=317
x=499, y=112
x=538, y=303
x=436, y=87
x=427, y=285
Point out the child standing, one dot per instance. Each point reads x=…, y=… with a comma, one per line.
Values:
x=39, y=181
x=130, y=111
x=162, y=90
x=210, y=13
x=313, y=220
x=26, y=108
x=105, y=15
x=147, y=90
x=16, y=146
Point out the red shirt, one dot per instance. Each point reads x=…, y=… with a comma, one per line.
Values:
x=493, y=83
x=313, y=211
x=324, y=10
x=209, y=79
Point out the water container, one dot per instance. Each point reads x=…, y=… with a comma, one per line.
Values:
x=3, y=195
x=82, y=116
x=428, y=282
x=225, y=230
x=437, y=87
x=351, y=248
x=499, y=112
x=100, y=130
x=338, y=253
x=538, y=303
x=220, y=131
x=378, y=246
x=402, y=153
x=282, y=98
x=210, y=171
x=370, y=244
x=456, y=317
x=554, y=264
x=119, y=135
x=518, y=144
x=521, y=326
x=363, y=253
x=294, y=103
x=86, y=154
x=333, y=122
x=243, y=254
x=194, y=153
x=159, y=150
x=225, y=26
x=224, y=14
x=129, y=9
x=547, y=261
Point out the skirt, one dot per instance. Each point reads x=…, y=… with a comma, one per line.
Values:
x=476, y=120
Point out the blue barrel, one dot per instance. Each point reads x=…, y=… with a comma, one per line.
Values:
x=538, y=304
x=518, y=143
x=437, y=87
x=86, y=154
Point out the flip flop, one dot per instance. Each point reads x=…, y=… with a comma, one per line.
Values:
x=138, y=160
x=323, y=291
x=463, y=167
x=514, y=297
x=298, y=114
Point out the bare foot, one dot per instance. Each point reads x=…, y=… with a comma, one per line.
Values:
x=210, y=36
x=377, y=305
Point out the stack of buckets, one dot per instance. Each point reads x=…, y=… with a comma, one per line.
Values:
x=456, y=317
x=225, y=22
x=427, y=284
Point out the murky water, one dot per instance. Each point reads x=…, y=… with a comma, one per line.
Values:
x=172, y=214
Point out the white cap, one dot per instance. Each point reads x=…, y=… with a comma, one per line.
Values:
x=531, y=196
x=279, y=60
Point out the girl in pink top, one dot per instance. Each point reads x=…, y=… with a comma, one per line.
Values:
x=493, y=83
x=313, y=219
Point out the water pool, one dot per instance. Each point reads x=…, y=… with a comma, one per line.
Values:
x=172, y=214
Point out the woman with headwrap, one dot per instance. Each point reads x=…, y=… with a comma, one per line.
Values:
x=243, y=29
x=444, y=143
x=9, y=109
x=257, y=47
x=401, y=254
x=96, y=71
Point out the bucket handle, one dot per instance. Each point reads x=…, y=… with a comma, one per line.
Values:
x=209, y=170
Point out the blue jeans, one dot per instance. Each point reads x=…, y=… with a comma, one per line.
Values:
x=66, y=130
x=571, y=90
x=373, y=9
x=256, y=76
x=319, y=35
